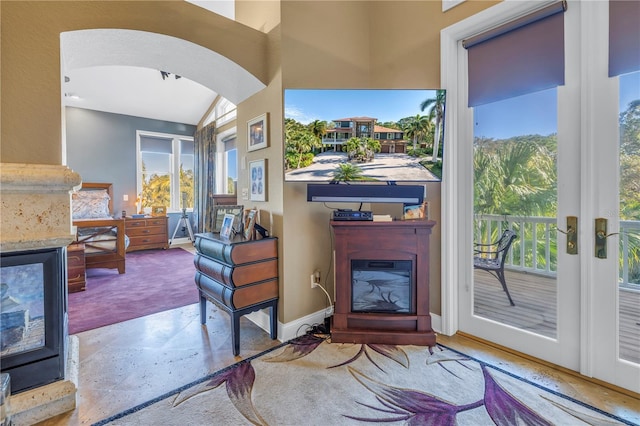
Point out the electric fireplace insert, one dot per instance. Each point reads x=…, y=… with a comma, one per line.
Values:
x=33, y=317
x=381, y=286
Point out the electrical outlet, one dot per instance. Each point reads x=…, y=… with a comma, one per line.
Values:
x=314, y=284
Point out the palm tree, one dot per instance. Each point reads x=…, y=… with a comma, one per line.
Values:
x=515, y=178
x=298, y=141
x=417, y=127
x=347, y=172
x=437, y=112
x=318, y=128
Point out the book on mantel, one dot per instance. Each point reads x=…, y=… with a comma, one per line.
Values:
x=236, y=251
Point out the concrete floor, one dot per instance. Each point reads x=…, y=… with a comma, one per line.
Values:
x=129, y=363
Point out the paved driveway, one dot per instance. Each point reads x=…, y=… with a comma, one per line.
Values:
x=384, y=167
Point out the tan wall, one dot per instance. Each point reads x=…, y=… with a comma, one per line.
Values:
x=308, y=44
x=355, y=44
x=30, y=59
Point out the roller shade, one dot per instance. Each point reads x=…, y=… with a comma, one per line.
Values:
x=157, y=145
x=624, y=37
x=522, y=56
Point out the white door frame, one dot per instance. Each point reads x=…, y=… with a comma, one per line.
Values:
x=598, y=97
x=457, y=179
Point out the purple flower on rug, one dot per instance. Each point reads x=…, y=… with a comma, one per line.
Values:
x=391, y=352
x=412, y=406
x=421, y=408
x=239, y=381
x=504, y=408
x=297, y=348
x=442, y=356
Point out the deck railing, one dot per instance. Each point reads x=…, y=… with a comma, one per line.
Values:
x=535, y=249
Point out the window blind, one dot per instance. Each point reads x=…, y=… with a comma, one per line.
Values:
x=157, y=145
x=522, y=56
x=624, y=37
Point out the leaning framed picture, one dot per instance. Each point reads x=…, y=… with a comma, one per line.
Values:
x=416, y=211
x=221, y=210
x=227, y=226
x=258, y=180
x=258, y=132
x=249, y=221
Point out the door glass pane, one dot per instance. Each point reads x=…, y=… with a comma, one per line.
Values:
x=515, y=151
x=629, y=276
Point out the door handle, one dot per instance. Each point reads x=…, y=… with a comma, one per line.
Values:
x=572, y=234
x=601, y=238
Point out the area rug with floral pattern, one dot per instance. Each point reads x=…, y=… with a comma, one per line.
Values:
x=309, y=381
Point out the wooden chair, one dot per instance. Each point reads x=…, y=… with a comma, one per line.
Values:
x=491, y=257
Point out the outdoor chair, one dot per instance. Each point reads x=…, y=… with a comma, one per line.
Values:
x=491, y=257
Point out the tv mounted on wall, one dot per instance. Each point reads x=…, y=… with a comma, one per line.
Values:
x=363, y=135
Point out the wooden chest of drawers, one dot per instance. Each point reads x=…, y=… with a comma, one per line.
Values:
x=238, y=275
x=147, y=233
x=76, y=277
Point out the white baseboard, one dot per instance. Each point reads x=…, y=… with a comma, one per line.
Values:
x=436, y=323
x=300, y=326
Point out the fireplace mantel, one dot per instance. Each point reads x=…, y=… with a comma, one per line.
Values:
x=382, y=241
x=35, y=215
x=36, y=206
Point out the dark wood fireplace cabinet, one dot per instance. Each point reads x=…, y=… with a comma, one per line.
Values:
x=379, y=299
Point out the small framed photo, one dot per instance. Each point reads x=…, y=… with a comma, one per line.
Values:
x=258, y=132
x=416, y=211
x=158, y=211
x=249, y=221
x=258, y=180
x=220, y=211
x=227, y=226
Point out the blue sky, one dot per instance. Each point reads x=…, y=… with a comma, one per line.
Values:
x=306, y=105
x=536, y=113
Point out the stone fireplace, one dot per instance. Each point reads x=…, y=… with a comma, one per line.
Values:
x=35, y=229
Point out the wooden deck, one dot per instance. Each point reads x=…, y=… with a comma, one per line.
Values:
x=535, y=310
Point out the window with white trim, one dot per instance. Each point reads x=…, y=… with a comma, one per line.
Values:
x=227, y=173
x=165, y=166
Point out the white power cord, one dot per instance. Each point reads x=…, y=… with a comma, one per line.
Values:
x=329, y=310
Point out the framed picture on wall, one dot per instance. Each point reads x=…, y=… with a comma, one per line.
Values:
x=258, y=132
x=258, y=180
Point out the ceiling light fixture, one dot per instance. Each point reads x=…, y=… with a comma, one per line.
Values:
x=166, y=75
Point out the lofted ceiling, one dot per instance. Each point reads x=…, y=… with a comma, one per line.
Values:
x=107, y=84
x=137, y=91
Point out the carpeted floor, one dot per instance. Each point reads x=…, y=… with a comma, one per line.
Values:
x=310, y=381
x=154, y=281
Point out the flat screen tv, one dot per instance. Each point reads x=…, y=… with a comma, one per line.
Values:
x=363, y=135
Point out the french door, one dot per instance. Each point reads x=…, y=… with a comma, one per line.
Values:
x=569, y=305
